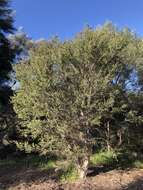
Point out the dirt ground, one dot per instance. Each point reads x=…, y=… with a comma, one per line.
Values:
x=32, y=179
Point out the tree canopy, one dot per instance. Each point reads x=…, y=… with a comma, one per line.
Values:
x=79, y=94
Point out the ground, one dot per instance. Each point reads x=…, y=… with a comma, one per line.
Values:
x=35, y=179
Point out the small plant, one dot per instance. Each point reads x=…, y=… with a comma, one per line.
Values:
x=103, y=158
x=138, y=164
x=69, y=174
x=47, y=165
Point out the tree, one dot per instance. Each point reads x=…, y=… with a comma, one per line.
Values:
x=21, y=44
x=74, y=93
x=7, y=55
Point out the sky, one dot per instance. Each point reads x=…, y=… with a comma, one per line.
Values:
x=65, y=18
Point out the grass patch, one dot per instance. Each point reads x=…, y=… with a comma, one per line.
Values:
x=138, y=164
x=116, y=160
x=69, y=174
x=43, y=163
x=103, y=158
x=50, y=164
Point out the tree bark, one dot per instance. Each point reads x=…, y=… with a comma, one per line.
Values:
x=82, y=167
x=108, y=136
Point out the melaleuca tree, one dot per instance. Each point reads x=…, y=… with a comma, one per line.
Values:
x=135, y=98
x=114, y=57
x=74, y=93
x=134, y=121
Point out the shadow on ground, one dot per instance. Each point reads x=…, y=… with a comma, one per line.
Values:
x=14, y=177
x=135, y=185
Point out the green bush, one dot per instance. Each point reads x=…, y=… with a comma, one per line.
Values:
x=138, y=164
x=69, y=174
x=103, y=158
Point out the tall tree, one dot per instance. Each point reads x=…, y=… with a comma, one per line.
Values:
x=74, y=93
x=7, y=55
x=6, y=26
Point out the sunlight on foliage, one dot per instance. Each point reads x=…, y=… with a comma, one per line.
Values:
x=138, y=164
x=69, y=174
x=103, y=158
x=49, y=165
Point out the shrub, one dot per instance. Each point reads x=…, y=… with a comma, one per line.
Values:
x=103, y=158
x=69, y=174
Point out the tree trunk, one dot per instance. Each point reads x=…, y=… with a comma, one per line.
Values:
x=82, y=167
x=108, y=136
x=108, y=147
x=119, y=135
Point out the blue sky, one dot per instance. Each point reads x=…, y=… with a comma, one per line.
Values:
x=46, y=18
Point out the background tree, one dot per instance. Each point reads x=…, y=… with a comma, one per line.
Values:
x=7, y=56
x=21, y=43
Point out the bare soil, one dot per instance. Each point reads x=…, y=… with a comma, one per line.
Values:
x=33, y=179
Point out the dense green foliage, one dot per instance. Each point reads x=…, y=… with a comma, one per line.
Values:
x=76, y=97
x=7, y=56
x=81, y=95
x=79, y=100
x=6, y=26
x=6, y=53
